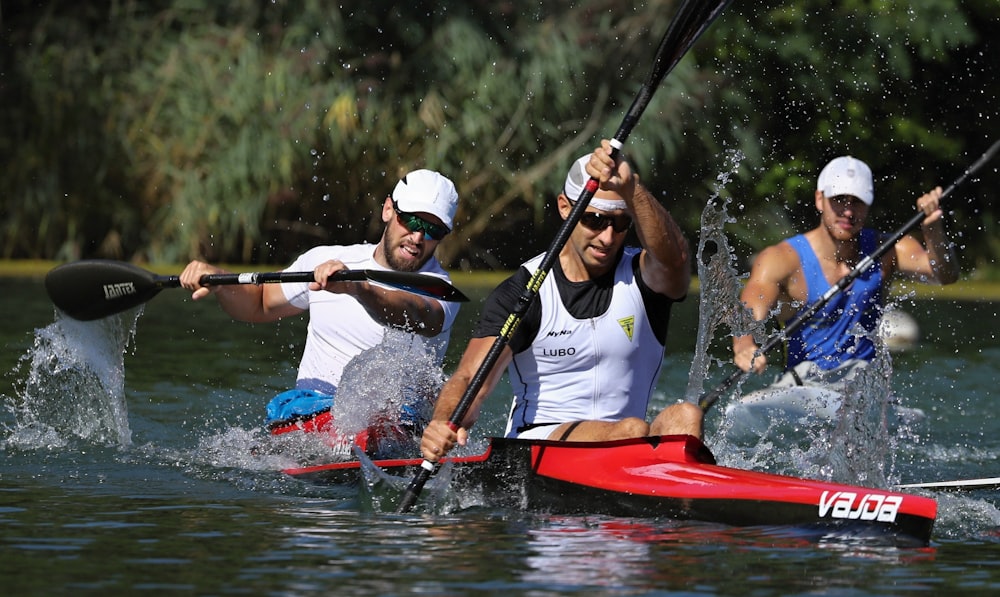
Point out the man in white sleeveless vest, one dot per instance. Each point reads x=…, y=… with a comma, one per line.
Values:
x=585, y=357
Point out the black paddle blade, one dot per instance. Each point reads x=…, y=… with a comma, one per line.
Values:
x=95, y=288
x=418, y=284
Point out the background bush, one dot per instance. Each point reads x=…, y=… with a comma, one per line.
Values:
x=247, y=132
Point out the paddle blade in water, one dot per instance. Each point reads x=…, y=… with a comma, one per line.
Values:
x=96, y=288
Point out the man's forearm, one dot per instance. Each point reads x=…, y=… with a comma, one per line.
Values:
x=941, y=252
x=403, y=310
x=658, y=232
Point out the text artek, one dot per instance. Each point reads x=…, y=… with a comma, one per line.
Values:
x=872, y=506
x=118, y=290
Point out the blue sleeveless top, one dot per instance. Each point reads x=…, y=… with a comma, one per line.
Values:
x=826, y=338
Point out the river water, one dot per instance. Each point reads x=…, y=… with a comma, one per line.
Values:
x=142, y=477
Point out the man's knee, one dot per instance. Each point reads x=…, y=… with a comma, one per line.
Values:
x=681, y=418
x=687, y=411
x=631, y=427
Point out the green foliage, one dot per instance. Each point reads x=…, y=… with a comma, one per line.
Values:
x=58, y=179
x=816, y=79
x=247, y=131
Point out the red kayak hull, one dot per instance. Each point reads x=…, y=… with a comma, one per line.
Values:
x=669, y=476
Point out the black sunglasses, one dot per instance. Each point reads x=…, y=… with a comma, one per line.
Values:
x=415, y=223
x=598, y=223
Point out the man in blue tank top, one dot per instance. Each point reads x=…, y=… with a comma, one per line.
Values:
x=584, y=359
x=792, y=275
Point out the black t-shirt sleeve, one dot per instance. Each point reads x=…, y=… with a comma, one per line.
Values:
x=498, y=307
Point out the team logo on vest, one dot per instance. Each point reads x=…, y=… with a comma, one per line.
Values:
x=628, y=325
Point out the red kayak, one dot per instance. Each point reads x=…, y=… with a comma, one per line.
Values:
x=670, y=476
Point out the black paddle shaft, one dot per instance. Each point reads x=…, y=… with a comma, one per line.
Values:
x=96, y=288
x=691, y=20
x=416, y=283
x=706, y=401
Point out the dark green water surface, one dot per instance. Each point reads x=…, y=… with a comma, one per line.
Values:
x=160, y=494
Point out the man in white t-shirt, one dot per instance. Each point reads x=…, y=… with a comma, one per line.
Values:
x=346, y=318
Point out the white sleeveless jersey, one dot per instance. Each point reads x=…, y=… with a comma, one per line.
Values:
x=339, y=326
x=602, y=368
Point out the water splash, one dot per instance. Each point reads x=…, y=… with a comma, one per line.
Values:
x=380, y=491
x=394, y=381
x=719, y=301
x=71, y=384
x=964, y=516
x=856, y=447
x=861, y=445
x=377, y=386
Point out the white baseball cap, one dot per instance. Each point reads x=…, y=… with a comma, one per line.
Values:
x=577, y=179
x=429, y=192
x=847, y=176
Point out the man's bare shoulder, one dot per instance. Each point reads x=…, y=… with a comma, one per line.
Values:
x=777, y=261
